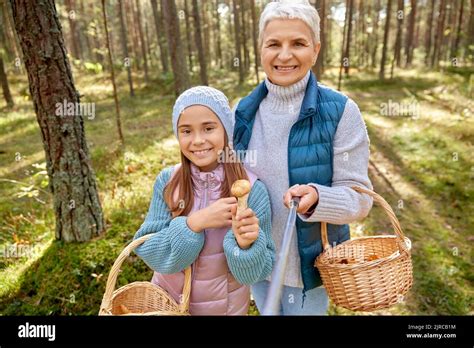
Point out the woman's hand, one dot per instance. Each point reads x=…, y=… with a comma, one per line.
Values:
x=245, y=227
x=309, y=197
x=216, y=215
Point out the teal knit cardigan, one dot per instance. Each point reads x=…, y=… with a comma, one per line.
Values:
x=175, y=246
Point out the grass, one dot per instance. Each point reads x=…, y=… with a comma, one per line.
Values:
x=426, y=164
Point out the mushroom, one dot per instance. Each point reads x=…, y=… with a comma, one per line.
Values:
x=241, y=189
x=123, y=309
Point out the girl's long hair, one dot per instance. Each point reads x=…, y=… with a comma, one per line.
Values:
x=183, y=182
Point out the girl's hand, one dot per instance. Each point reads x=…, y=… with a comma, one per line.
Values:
x=309, y=197
x=245, y=227
x=216, y=215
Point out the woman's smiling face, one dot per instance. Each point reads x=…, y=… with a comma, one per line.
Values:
x=201, y=136
x=288, y=51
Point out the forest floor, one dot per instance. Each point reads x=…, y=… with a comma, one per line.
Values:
x=422, y=164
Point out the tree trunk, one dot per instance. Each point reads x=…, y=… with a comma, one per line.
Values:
x=355, y=33
x=419, y=18
x=385, y=41
x=189, y=41
x=470, y=37
x=95, y=27
x=244, y=36
x=344, y=36
x=84, y=30
x=455, y=47
x=217, y=35
x=148, y=44
x=410, y=34
x=348, y=39
x=206, y=35
x=230, y=29
x=367, y=37
x=362, y=20
x=328, y=43
x=254, y=38
x=376, y=33
x=199, y=45
x=178, y=62
x=112, y=74
x=320, y=60
x=131, y=24
x=398, y=40
x=238, y=45
x=124, y=41
x=5, y=42
x=429, y=26
x=160, y=37
x=71, y=14
x=439, y=34
x=142, y=40
x=4, y=81
x=12, y=36
x=448, y=43
x=71, y=178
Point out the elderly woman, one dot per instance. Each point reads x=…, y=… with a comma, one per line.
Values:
x=310, y=141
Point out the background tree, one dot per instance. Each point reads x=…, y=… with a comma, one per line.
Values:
x=189, y=30
x=71, y=178
x=142, y=40
x=254, y=38
x=5, y=87
x=178, y=62
x=375, y=33
x=455, y=45
x=343, y=48
x=410, y=33
x=199, y=46
x=398, y=41
x=385, y=40
x=439, y=33
x=348, y=38
x=126, y=56
x=11, y=36
x=428, y=34
x=159, y=36
x=321, y=7
x=470, y=35
x=217, y=34
x=244, y=37
x=74, y=41
x=238, y=54
x=112, y=75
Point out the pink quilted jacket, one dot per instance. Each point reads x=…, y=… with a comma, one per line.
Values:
x=214, y=290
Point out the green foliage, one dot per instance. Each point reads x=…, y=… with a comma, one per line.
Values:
x=95, y=68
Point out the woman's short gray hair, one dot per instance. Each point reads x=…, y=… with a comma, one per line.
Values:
x=290, y=9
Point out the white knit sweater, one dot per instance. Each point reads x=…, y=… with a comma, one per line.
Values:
x=338, y=204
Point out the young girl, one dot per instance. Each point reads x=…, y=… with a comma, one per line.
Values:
x=194, y=217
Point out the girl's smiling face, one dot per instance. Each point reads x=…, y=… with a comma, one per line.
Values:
x=201, y=136
x=288, y=51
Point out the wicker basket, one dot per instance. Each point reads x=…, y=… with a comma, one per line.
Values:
x=141, y=298
x=367, y=273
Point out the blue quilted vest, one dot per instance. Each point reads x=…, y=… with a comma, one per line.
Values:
x=310, y=159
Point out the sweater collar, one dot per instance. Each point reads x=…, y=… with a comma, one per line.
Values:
x=212, y=179
x=280, y=98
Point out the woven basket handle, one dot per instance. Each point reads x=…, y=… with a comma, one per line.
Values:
x=388, y=210
x=112, y=279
